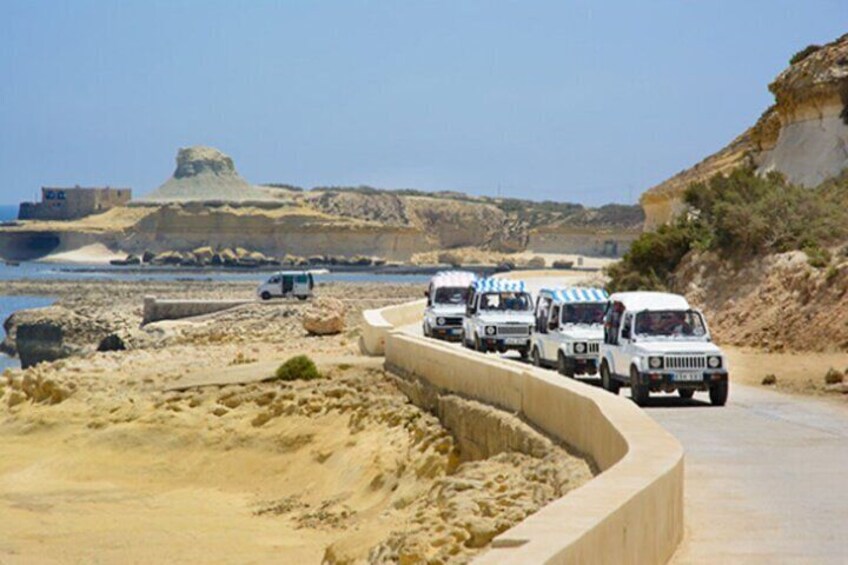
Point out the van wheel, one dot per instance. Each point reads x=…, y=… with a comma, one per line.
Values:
x=718, y=394
x=686, y=393
x=609, y=384
x=638, y=392
x=302, y=297
x=537, y=359
x=265, y=295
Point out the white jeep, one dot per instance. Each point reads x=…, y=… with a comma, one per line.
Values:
x=655, y=342
x=569, y=329
x=447, y=296
x=498, y=316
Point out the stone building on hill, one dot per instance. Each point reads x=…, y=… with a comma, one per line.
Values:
x=71, y=203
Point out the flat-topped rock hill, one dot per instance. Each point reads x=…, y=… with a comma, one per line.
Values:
x=804, y=135
x=206, y=174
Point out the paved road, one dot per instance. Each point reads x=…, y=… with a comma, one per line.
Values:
x=766, y=475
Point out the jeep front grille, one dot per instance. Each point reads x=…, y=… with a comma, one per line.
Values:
x=686, y=362
x=453, y=322
x=514, y=330
x=594, y=347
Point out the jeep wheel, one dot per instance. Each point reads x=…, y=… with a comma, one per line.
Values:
x=537, y=359
x=524, y=352
x=265, y=295
x=638, y=392
x=718, y=394
x=609, y=384
x=425, y=330
x=478, y=344
x=562, y=366
x=686, y=393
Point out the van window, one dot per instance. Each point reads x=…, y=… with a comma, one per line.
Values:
x=274, y=280
x=301, y=279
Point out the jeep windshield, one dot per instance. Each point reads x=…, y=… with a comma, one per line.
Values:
x=583, y=313
x=670, y=323
x=506, y=302
x=452, y=295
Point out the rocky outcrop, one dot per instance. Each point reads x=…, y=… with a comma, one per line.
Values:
x=804, y=135
x=325, y=316
x=206, y=174
x=48, y=334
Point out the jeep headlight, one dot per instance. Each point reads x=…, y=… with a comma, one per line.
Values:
x=440, y=321
x=579, y=347
x=490, y=330
x=713, y=361
x=655, y=362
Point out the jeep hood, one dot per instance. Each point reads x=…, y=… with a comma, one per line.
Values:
x=503, y=318
x=672, y=347
x=448, y=310
x=583, y=332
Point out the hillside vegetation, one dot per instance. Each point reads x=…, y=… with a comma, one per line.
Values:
x=739, y=216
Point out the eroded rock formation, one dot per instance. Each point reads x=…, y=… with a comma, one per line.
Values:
x=804, y=135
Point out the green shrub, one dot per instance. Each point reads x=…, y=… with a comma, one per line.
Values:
x=299, y=367
x=817, y=257
x=739, y=216
x=803, y=54
x=769, y=380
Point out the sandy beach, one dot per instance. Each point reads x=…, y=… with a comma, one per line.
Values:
x=181, y=448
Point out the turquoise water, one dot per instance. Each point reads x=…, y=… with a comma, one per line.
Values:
x=11, y=304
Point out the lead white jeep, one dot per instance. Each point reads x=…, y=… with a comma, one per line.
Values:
x=498, y=317
x=447, y=296
x=655, y=342
x=569, y=329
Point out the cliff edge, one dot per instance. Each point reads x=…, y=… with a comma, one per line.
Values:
x=804, y=135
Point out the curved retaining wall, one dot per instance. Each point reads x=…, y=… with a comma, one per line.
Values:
x=632, y=512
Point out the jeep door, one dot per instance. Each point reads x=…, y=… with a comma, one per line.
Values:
x=552, y=336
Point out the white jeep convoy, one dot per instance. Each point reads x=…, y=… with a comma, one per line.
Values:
x=447, y=297
x=287, y=283
x=498, y=316
x=654, y=341
x=569, y=329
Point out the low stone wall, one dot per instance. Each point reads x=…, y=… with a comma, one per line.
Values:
x=631, y=513
x=156, y=309
x=378, y=323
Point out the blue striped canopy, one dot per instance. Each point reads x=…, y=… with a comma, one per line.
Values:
x=498, y=285
x=578, y=294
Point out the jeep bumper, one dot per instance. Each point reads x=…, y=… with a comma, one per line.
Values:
x=666, y=381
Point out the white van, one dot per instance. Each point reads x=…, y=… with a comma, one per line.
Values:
x=447, y=296
x=498, y=316
x=287, y=283
x=655, y=342
x=569, y=329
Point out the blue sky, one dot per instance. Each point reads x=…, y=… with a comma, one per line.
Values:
x=578, y=101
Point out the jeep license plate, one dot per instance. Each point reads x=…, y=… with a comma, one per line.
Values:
x=515, y=340
x=688, y=377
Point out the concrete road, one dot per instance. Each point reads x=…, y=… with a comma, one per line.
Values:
x=766, y=475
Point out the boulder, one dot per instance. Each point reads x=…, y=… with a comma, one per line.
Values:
x=47, y=334
x=361, y=261
x=325, y=316
x=317, y=260
x=537, y=263
x=563, y=264
x=168, y=258
x=203, y=255
x=505, y=266
x=450, y=258
x=147, y=256
x=228, y=257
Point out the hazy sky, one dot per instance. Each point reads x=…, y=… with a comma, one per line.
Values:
x=580, y=101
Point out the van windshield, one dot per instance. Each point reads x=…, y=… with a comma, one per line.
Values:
x=452, y=295
x=506, y=301
x=583, y=313
x=670, y=323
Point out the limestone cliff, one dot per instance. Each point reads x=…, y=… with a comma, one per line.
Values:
x=804, y=135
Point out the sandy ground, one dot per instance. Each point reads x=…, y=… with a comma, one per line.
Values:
x=800, y=373
x=94, y=254
x=181, y=450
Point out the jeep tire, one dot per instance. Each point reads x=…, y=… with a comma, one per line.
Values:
x=537, y=359
x=607, y=380
x=638, y=392
x=718, y=394
x=479, y=345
